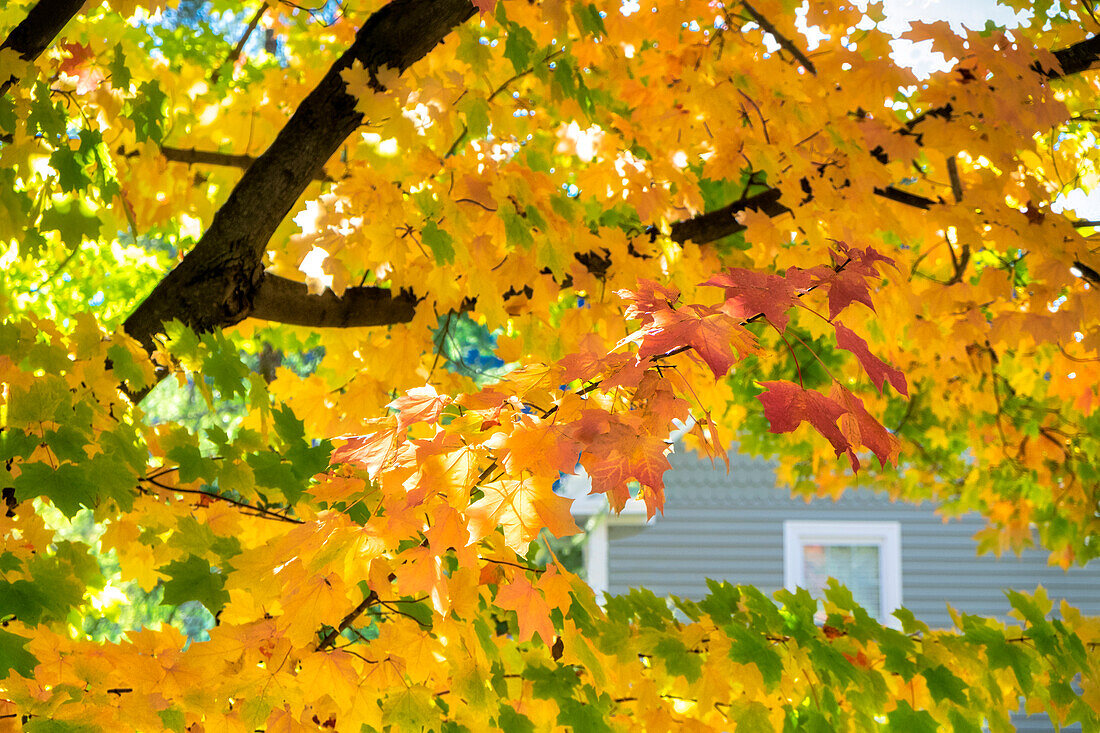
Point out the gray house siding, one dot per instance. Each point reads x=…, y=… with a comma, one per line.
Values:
x=730, y=527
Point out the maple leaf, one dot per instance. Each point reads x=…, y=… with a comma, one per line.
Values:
x=650, y=297
x=536, y=446
x=522, y=507
x=79, y=65
x=876, y=369
x=786, y=406
x=532, y=610
x=861, y=428
x=623, y=454
x=373, y=451
x=420, y=404
x=749, y=294
x=845, y=286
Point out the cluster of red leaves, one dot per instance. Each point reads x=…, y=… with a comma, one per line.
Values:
x=612, y=411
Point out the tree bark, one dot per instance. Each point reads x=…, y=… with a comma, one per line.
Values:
x=37, y=31
x=216, y=283
x=286, y=301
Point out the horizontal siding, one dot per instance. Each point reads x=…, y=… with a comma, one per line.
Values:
x=730, y=527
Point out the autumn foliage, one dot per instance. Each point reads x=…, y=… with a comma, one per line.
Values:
x=646, y=218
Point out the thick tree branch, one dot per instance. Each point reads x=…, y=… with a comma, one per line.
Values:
x=1074, y=59
x=216, y=283
x=717, y=224
x=286, y=301
x=37, y=31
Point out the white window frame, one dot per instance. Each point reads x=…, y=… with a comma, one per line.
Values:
x=884, y=535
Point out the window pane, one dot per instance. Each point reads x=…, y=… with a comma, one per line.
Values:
x=855, y=566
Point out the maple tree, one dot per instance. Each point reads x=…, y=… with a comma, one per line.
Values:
x=652, y=217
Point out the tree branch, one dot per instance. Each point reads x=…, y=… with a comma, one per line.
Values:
x=193, y=156
x=216, y=283
x=285, y=301
x=784, y=42
x=330, y=638
x=717, y=224
x=35, y=33
x=1074, y=59
x=236, y=52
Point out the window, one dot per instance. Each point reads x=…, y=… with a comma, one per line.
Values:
x=863, y=556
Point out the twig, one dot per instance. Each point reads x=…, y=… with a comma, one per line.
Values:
x=507, y=82
x=347, y=621
x=236, y=52
x=782, y=40
x=261, y=511
x=956, y=183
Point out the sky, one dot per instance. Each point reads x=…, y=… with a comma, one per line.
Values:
x=970, y=14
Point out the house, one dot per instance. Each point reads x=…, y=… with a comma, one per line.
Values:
x=740, y=528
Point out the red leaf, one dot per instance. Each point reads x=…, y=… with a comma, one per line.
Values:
x=420, y=404
x=707, y=330
x=751, y=293
x=79, y=65
x=373, y=451
x=862, y=429
x=787, y=405
x=649, y=298
x=878, y=370
x=846, y=287
x=484, y=6
x=622, y=454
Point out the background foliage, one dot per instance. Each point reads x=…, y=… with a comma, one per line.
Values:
x=288, y=376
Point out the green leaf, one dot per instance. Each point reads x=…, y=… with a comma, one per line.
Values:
x=119, y=70
x=551, y=683
x=7, y=113
x=124, y=366
x=173, y=719
x=47, y=118
x=440, y=242
x=70, y=169
x=273, y=472
x=721, y=602
x=74, y=220
x=14, y=657
x=287, y=425
x=906, y=720
x=476, y=111
x=223, y=366
x=192, y=464
x=580, y=716
x=57, y=585
x=752, y=648
x=508, y=719
x=411, y=709
x=68, y=486
x=194, y=580
x=960, y=724
x=588, y=19
x=147, y=112
x=518, y=47
x=678, y=658
x=46, y=725
x=516, y=229
x=943, y=684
